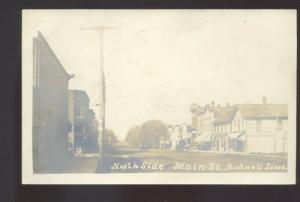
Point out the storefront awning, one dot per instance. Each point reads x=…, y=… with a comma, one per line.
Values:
x=238, y=135
x=205, y=137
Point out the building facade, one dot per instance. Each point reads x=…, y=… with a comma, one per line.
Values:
x=50, y=107
x=78, y=118
x=265, y=126
x=180, y=136
x=251, y=128
x=228, y=131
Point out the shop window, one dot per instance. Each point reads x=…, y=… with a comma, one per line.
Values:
x=279, y=124
x=194, y=121
x=78, y=128
x=259, y=125
x=78, y=111
x=234, y=125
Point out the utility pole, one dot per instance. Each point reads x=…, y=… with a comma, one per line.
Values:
x=101, y=104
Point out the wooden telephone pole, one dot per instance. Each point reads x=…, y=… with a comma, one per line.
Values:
x=101, y=104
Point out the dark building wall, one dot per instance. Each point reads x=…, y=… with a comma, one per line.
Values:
x=78, y=114
x=50, y=108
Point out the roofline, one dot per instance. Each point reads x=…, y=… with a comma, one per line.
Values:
x=254, y=118
x=79, y=91
x=40, y=36
x=269, y=117
x=235, y=110
x=221, y=123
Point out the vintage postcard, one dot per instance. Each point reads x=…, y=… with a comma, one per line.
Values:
x=159, y=96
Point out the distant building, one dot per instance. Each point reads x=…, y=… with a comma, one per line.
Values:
x=222, y=128
x=50, y=107
x=205, y=120
x=180, y=136
x=202, y=118
x=78, y=118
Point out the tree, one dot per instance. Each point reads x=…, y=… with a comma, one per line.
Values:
x=149, y=133
x=132, y=136
x=110, y=137
x=152, y=132
x=91, y=143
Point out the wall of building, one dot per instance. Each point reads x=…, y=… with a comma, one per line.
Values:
x=266, y=137
x=78, y=116
x=50, y=109
x=204, y=121
x=238, y=123
x=179, y=134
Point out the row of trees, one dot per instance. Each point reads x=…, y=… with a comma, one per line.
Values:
x=149, y=133
x=109, y=140
x=90, y=142
x=110, y=137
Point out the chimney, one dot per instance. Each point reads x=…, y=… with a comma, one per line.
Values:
x=264, y=100
x=212, y=104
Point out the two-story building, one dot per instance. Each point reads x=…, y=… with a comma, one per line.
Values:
x=78, y=117
x=211, y=124
x=180, y=136
x=265, y=127
x=251, y=128
x=50, y=108
x=222, y=127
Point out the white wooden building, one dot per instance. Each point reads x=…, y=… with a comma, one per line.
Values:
x=251, y=128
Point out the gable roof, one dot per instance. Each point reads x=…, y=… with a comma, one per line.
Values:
x=223, y=114
x=263, y=111
x=79, y=93
x=41, y=39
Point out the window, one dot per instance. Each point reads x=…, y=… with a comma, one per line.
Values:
x=78, y=111
x=238, y=125
x=258, y=125
x=279, y=124
x=234, y=125
x=194, y=121
x=78, y=128
x=180, y=131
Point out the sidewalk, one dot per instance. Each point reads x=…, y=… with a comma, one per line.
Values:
x=280, y=155
x=83, y=164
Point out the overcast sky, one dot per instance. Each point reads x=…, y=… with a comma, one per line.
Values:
x=159, y=62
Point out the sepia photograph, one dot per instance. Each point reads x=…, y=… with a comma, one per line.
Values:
x=159, y=96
